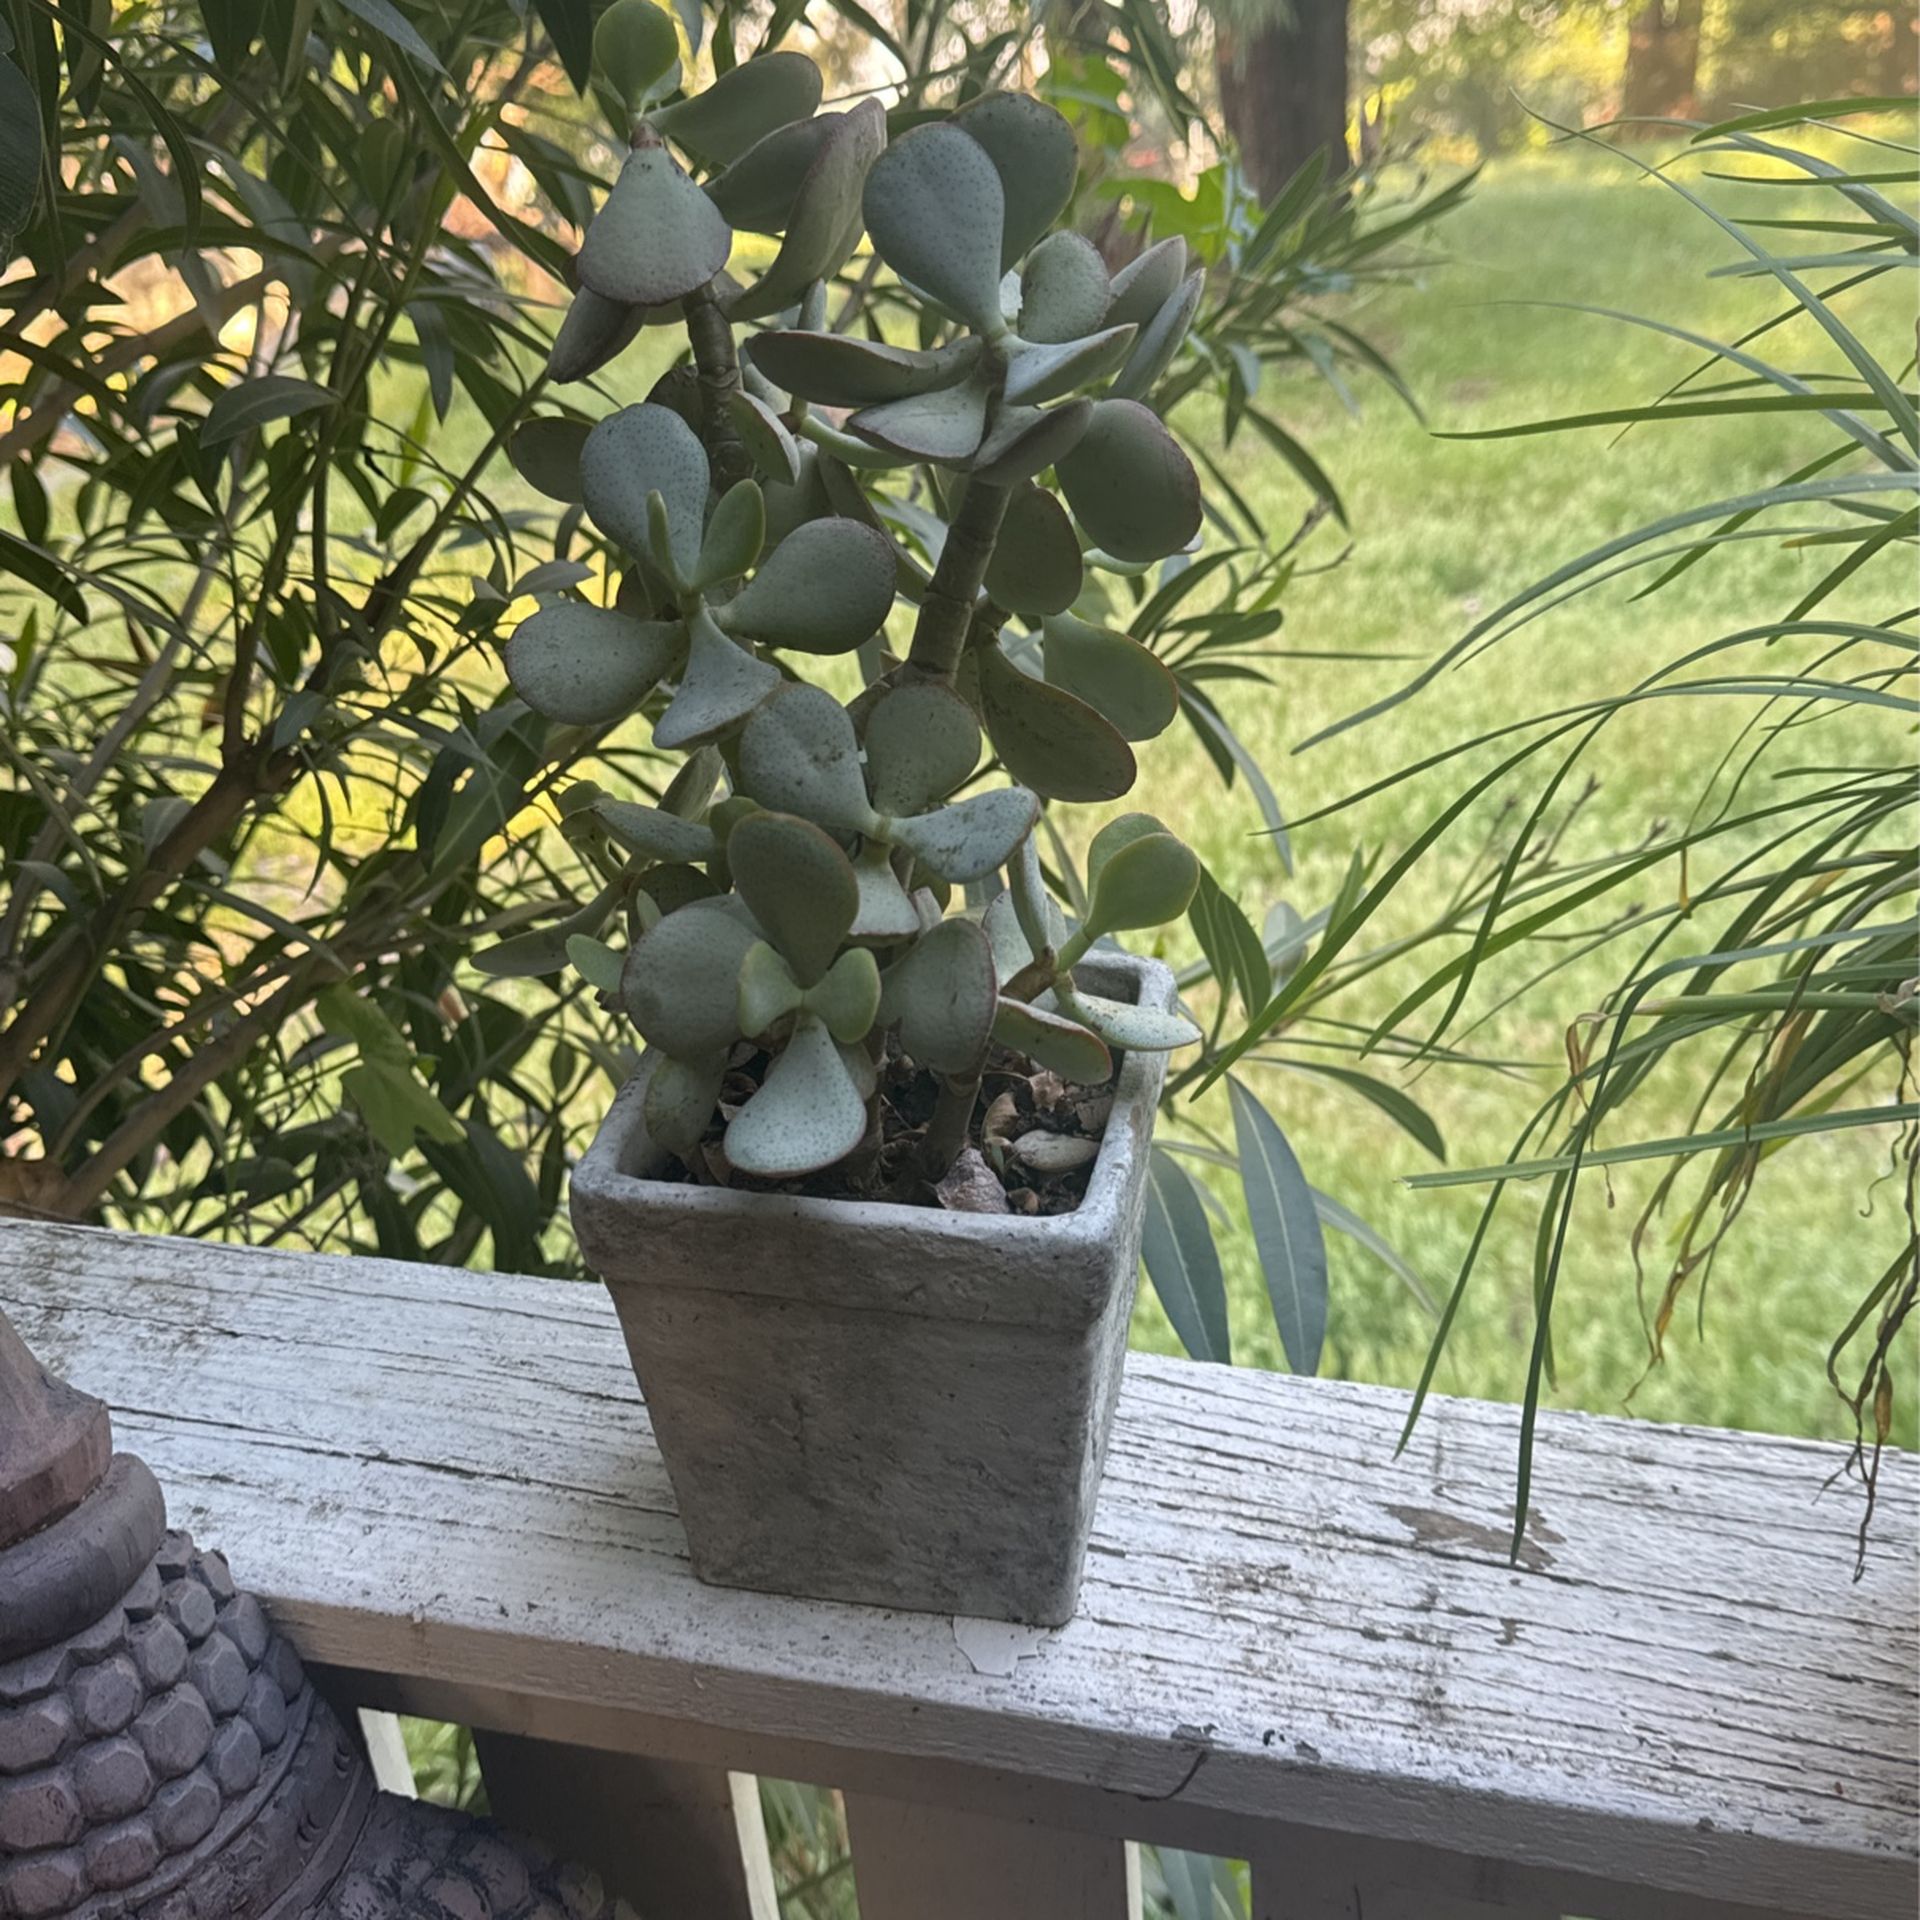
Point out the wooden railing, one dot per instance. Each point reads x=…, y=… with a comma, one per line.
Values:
x=1292, y=1647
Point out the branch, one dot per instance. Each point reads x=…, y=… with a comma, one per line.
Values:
x=717, y=362
x=946, y=611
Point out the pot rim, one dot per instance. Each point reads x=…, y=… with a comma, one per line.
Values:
x=600, y=1176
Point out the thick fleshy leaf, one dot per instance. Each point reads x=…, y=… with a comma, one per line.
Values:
x=678, y=391
x=634, y=45
x=935, y=212
x=1160, y=340
x=757, y=193
x=798, y=754
x=1122, y=1024
x=1146, y=283
x=1031, y=147
x=722, y=684
x=1129, y=484
x=824, y=227
x=922, y=742
x=543, y=950
x=1051, y=1040
x=592, y=332
x=732, y=541
x=970, y=838
x=806, y=499
x=841, y=370
x=1023, y=441
x=941, y=994
x=807, y=1113
x=1118, y=833
x=1184, y=1266
x=1113, y=673
x=1011, y=949
x=768, y=990
x=847, y=997
x=585, y=665
x=1039, y=915
x=1064, y=290
x=691, y=789
x=945, y=425
x=825, y=588
x=681, y=1097
x=637, y=451
x=1286, y=1229
x=764, y=435
x=1035, y=567
x=798, y=885
x=546, y=455
x=654, y=834
x=600, y=966
x=886, y=913
x=657, y=237
x=675, y=885
x=680, y=987
x=1145, y=883
x=1048, y=739
x=742, y=107
x=1039, y=373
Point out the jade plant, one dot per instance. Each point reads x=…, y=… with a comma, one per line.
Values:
x=829, y=889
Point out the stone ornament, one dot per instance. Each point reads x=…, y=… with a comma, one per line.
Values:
x=162, y=1753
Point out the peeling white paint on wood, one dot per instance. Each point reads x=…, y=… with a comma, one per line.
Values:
x=446, y=1479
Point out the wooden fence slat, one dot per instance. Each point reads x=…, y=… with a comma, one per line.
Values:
x=928, y=1863
x=387, y=1752
x=674, y=1839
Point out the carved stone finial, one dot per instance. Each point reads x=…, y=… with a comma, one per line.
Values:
x=54, y=1442
x=162, y=1754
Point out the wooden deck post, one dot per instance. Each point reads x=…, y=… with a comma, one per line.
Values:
x=927, y=1863
x=1316, y=1883
x=673, y=1839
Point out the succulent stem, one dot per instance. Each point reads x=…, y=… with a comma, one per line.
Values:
x=710, y=334
x=946, y=612
x=946, y=1135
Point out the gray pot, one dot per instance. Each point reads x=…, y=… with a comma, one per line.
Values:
x=887, y=1404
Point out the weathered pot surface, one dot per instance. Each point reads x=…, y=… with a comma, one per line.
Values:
x=889, y=1404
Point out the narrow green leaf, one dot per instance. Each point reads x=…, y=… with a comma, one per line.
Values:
x=1895, y=1114
x=1183, y=1262
x=254, y=403
x=1286, y=1230
x=384, y=17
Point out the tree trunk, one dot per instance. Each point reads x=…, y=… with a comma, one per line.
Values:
x=1663, y=61
x=1283, y=90
x=1899, y=52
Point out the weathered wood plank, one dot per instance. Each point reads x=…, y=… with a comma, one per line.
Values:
x=930, y=1863
x=445, y=1480
x=670, y=1838
x=1318, y=1882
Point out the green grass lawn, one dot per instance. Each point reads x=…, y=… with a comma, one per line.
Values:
x=1444, y=531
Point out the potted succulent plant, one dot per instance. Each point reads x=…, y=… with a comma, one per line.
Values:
x=870, y=1207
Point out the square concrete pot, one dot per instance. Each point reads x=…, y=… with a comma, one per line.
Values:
x=887, y=1404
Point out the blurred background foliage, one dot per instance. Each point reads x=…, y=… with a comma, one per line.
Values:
x=279, y=282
